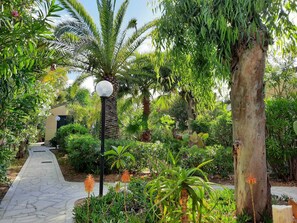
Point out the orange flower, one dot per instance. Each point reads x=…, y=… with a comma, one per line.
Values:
x=251, y=180
x=125, y=177
x=89, y=183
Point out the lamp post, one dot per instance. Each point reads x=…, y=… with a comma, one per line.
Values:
x=104, y=89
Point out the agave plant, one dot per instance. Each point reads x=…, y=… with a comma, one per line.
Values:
x=100, y=51
x=176, y=187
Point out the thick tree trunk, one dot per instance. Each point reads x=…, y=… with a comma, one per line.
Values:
x=21, y=149
x=248, y=114
x=111, y=113
x=146, y=135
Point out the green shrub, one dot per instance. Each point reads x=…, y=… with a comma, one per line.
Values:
x=83, y=152
x=200, y=125
x=221, y=130
x=221, y=165
x=111, y=207
x=144, y=153
x=280, y=142
x=6, y=155
x=67, y=130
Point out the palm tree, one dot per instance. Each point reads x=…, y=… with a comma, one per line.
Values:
x=141, y=80
x=100, y=51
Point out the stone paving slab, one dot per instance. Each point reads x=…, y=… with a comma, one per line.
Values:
x=40, y=193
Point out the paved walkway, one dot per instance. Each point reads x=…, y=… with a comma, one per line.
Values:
x=40, y=193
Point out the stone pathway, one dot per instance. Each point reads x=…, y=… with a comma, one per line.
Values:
x=40, y=193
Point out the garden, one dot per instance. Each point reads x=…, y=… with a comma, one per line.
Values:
x=213, y=102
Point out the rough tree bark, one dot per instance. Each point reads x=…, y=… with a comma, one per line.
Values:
x=111, y=113
x=248, y=115
x=146, y=135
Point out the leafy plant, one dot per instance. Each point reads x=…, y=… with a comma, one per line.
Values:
x=110, y=208
x=120, y=156
x=175, y=188
x=280, y=142
x=222, y=161
x=83, y=152
x=66, y=130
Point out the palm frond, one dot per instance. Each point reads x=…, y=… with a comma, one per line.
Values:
x=106, y=15
x=71, y=26
x=118, y=22
x=79, y=13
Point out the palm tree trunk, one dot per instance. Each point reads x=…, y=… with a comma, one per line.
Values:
x=111, y=113
x=184, y=205
x=248, y=115
x=146, y=135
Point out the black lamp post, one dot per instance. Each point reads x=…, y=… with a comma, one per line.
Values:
x=104, y=89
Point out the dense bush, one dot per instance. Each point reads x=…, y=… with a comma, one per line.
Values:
x=111, y=207
x=83, y=152
x=200, y=125
x=221, y=130
x=144, y=153
x=281, y=138
x=222, y=164
x=6, y=155
x=67, y=130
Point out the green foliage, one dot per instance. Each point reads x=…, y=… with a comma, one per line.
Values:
x=24, y=25
x=280, y=77
x=224, y=207
x=66, y=130
x=83, y=107
x=280, y=142
x=6, y=155
x=295, y=127
x=111, y=208
x=221, y=130
x=201, y=124
x=222, y=26
x=166, y=191
x=145, y=154
x=120, y=157
x=222, y=159
x=83, y=152
x=162, y=125
x=179, y=111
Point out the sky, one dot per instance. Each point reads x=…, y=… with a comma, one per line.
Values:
x=142, y=10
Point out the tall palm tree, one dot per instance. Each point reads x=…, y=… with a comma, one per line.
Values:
x=100, y=51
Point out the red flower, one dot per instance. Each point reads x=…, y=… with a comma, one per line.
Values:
x=125, y=177
x=15, y=13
